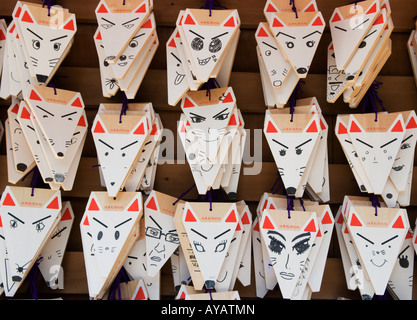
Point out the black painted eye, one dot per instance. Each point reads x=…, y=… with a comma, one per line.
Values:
x=362, y=45
x=298, y=151
x=215, y=45
x=99, y=235
x=275, y=245
x=289, y=44
x=123, y=154
x=36, y=44
x=282, y=152
x=106, y=154
x=197, y=44
x=133, y=44
x=57, y=46
x=116, y=234
x=310, y=43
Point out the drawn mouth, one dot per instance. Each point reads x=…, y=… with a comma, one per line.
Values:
x=122, y=64
x=286, y=276
x=156, y=259
x=383, y=262
x=203, y=62
x=179, y=78
x=206, y=169
x=224, y=278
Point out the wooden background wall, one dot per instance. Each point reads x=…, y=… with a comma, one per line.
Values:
x=80, y=72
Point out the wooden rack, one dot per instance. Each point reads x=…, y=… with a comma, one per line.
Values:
x=80, y=72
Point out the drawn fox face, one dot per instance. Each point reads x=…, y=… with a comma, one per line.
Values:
x=46, y=43
x=210, y=241
x=291, y=150
x=298, y=42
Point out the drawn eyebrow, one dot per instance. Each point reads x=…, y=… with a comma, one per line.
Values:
x=58, y=38
x=108, y=21
x=364, y=143
x=130, y=21
x=219, y=113
x=219, y=235
x=283, y=145
x=403, y=251
x=348, y=141
x=340, y=28
x=220, y=35
x=369, y=34
x=35, y=222
x=300, y=145
x=139, y=35
x=45, y=111
x=310, y=34
x=267, y=44
x=130, y=144
x=106, y=144
x=305, y=234
x=148, y=143
x=407, y=138
x=58, y=233
x=284, y=35
x=68, y=114
x=201, y=235
x=172, y=230
x=196, y=34
x=384, y=145
x=277, y=233
x=100, y=222
x=364, y=238
x=30, y=127
x=122, y=223
x=389, y=239
x=15, y=217
x=34, y=33
x=155, y=222
x=176, y=57
x=360, y=24
x=132, y=257
x=197, y=115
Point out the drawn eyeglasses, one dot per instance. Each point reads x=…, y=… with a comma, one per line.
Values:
x=157, y=234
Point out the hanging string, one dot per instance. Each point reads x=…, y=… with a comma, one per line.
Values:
x=302, y=204
x=34, y=183
x=375, y=202
x=125, y=105
x=290, y=205
x=211, y=5
x=292, y=2
x=293, y=97
x=49, y=4
x=371, y=100
x=33, y=283
x=122, y=276
x=183, y=194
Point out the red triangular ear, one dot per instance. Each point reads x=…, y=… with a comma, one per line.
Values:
x=152, y=204
x=187, y=103
x=81, y=122
x=317, y=22
x=262, y=33
x=70, y=25
x=102, y=9
x=354, y=127
x=154, y=130
x=231, y=217
x=326, y=219
x=398, y=127
x=340, y=220
x=372, y=9
x=134, y=206
x=99, y=36
x=319, y=233
x=354, y=222
x=398, y=224
x=311, y=8
x=15, y=108
x=267, y=224
x=277, y=23
x=189, y=20
x=342, y=129
x=411, y=124
x=346, y=230
x=312, y=128
x=140, y=129
x=172, y=44
x=140, y=295
x=271, y=128
x=147, y=24
x=26, y=17
x=86, y=222
x=93, y=205
x=141, y=9
x=182, y=295
x=230, y=22
x=25, y=114
x=66, y=215
x=228, y=98
x=190, y=217
x=77, y=103
x=379, y=20
x=8, y=201
x=245, y=218
x=232, y=121
x=271, y=8
x=54, y=204
x=336, y=18
x=2, y=36
x=34, y=96
x=271, y=206
x=238, y=228
x=18, y=11
x=98, y=128
x=311, y=227
x=1, y=223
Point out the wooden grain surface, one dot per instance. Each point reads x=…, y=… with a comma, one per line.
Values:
x=80, y=72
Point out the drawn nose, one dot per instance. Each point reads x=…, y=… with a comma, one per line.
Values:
x=59, y=177
x=351, y=77
x=21, y=167
x=60, y=154
x=16, y=278
x=41, y=78
x=209, y=284
x=301, y=70
x=290, y=191
x=112, y=183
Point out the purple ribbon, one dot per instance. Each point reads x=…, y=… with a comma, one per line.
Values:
x=302, y=204
x=293, y=97
x=183, y=194
x=290, y=205
x=212, y=4
x=371, y=99
x=50, y=84
x=375, y=202
x=125, y=105
x=122, y=276
x=35, y=180
x=292, y=2
x=33, y=276
x=49, y=4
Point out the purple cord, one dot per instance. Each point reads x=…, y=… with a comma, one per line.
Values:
x=49, y=4
x=34, y=181
x=33, y=275
x=290, y=205
x=125, y=105
x=183, y=194
x=375, y=202
x=122, y=276
x=371, y=99
x=212, y=4
x=292, y=2
x=293, y=97
x=302, y=204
